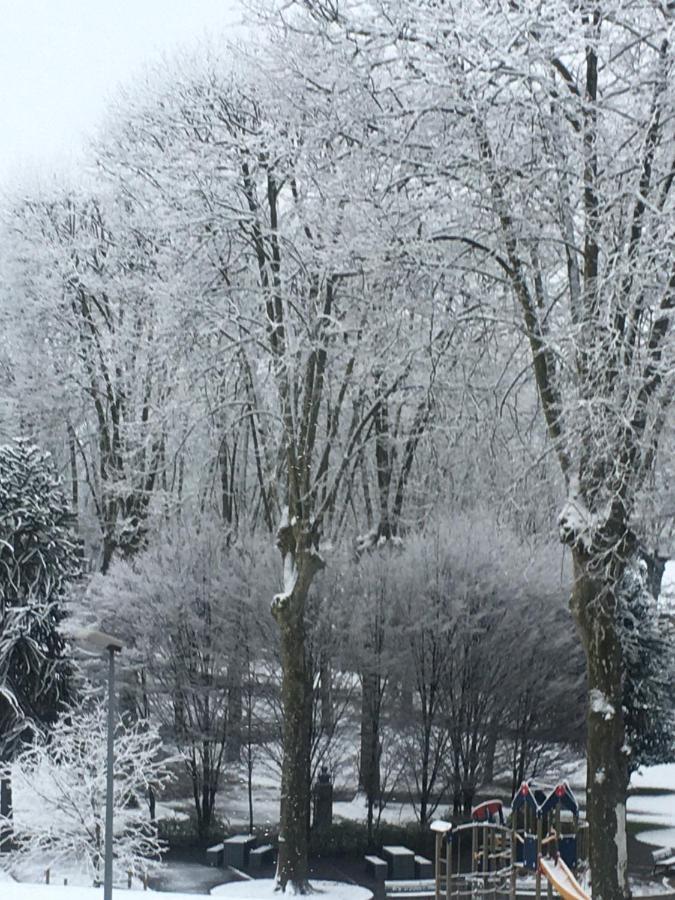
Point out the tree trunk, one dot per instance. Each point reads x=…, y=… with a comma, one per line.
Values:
x=234, y=709
x=369, y=769
x=296, y=698
x=491, y=749
x=593, y=606
x=326, y=692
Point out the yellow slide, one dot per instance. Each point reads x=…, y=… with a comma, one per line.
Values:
x=562, y=880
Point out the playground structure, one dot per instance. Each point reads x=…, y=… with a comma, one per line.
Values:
x=545, y=839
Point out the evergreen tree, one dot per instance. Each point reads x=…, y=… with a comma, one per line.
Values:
x=39, y=558
x=649, y=676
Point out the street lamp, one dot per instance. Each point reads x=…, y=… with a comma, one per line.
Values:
x=90, y=639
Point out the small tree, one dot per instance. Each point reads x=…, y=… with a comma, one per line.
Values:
x=185, y=605
x=60, y=786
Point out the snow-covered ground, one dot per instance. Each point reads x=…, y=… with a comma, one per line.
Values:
x=667, y=595
x=661, y=778
x=655, y=811
x=263, y=889
x=13, y=890
x=259, y=889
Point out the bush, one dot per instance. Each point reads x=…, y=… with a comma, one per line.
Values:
x=346, y=838
x=183, y=834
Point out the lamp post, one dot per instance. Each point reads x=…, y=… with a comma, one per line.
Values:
x=91, y=639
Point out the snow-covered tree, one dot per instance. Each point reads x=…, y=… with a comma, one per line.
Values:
x=39, y=560
x=184, y=607
x=649, y=692
x=60, y=788
x=91, y=295
x=547, y=128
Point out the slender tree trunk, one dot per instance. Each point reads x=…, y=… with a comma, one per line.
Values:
x=234, y=709
x=607, y=779
x=369, y=770
x=491, y=749
x=325, y=675
x=74, y=481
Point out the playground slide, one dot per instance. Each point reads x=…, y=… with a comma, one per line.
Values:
x=562, y=880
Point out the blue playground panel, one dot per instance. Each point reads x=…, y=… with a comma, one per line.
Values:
x=530, y=852
x=567, y=846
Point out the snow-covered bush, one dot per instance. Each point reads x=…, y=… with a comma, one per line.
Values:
x=649, y=661
x=39, y=559
x=60, y=795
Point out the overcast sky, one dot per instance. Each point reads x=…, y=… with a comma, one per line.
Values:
x=61, y=59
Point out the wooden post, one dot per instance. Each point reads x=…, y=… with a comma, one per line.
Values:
x=65, y=882
x=437, y=863
x=448, y=865
x=514, y=854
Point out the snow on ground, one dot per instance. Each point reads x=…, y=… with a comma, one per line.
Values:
x=649, y=888
x=22, y=891
x=654, y=809
x=667, y=595
x=165, y=811
x=355, y=810
x=660, y=837
x=259, y=889
x=661, y=778
x=263, y=889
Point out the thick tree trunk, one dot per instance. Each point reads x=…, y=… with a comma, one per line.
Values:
x=593, y=604
x=296, y=699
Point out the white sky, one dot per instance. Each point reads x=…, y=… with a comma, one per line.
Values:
x=61, y=59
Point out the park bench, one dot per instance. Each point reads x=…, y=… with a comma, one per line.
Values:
x=214, y=855
x=376, y=867
x=664, y=861
x=424, y=868
x=258, y=856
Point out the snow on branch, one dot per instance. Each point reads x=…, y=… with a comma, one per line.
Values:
x=59, y=789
